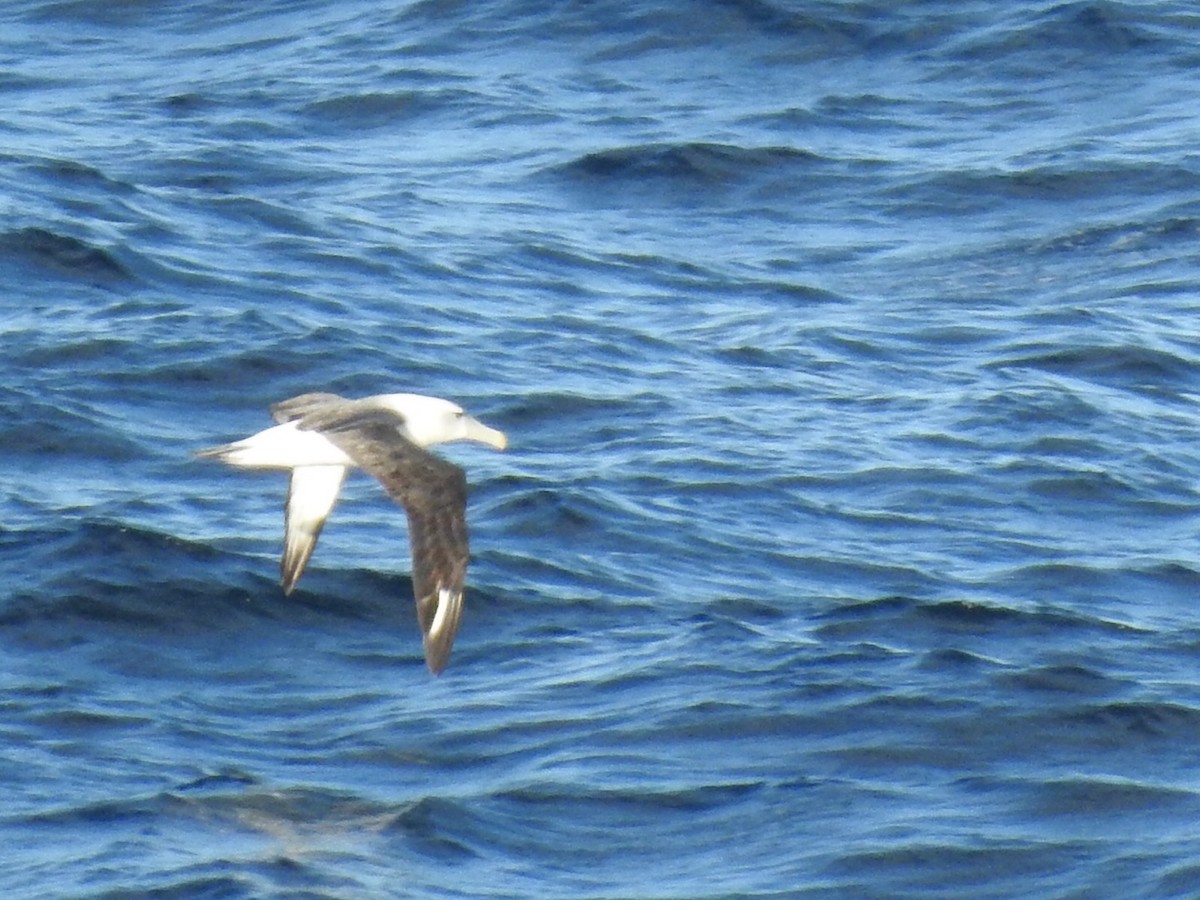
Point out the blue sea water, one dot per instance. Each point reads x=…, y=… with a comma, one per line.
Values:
x=848, y=542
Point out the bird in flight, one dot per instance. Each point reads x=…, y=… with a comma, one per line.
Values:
x=318, y=437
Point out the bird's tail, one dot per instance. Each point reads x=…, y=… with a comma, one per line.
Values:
x=270, y=449
x=235, y=454
x=280, y=447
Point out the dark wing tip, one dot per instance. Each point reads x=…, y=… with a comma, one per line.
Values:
x=299, y=542
x=439, y=615
x=291, y=566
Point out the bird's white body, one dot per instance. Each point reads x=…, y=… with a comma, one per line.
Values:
x=427, y=421
x=285, y=447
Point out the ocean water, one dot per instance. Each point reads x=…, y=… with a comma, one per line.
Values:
x=848, y=541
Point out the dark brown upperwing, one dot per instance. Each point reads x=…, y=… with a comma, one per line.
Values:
x=434, y=494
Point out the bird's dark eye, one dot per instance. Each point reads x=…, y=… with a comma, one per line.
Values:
x=458, y=414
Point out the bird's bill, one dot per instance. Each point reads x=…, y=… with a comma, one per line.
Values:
x=477, y=431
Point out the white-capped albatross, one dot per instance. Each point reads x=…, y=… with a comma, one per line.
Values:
x=319, y=436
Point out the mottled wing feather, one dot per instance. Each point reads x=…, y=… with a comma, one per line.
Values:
x=434, y=495
x=298, y=407
x=330, y=414
x=437, y=530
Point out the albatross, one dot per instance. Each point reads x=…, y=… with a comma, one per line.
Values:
x=318, y=437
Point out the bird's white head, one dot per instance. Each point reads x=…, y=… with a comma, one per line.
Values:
x=431, y=420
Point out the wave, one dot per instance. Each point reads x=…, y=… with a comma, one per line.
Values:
x=109, y=572
x=688, y=164
x=688, y=173
x=923, y=619
x=972, y=192
x=34, y=428
x=357, y=112
x=1102, y=30
x=55, y=252
x=1128, y=366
